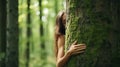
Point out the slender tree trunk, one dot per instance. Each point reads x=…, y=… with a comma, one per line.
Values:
x=42, y=44
x=95, y=23
x=28, y=34
x=56, y=6
x=12, y=34
x=2, y=32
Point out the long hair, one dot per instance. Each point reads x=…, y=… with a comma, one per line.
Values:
x=59, y=29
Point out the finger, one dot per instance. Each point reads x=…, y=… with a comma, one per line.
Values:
x=79, y=45
x=78, y=52
x=75, y=42
x=79, y=49
x=82, y=47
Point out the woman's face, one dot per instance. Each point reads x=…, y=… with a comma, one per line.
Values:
x=64, y=20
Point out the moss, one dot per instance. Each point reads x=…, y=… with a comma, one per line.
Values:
x=90, y=24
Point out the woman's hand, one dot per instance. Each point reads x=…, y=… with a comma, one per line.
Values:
x=76, y=48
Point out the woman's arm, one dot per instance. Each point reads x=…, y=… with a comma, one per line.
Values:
x=74, y=49
x=61, y=61
x=61, y=58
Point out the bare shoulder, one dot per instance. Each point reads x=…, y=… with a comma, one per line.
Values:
x=62, y=37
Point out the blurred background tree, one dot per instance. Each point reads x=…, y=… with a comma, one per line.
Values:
x=12, y=35
x=2, y=32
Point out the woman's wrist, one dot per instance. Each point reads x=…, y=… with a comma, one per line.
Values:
x=68, y=53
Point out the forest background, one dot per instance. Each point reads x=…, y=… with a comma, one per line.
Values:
x=40, y=56
x=36, y=22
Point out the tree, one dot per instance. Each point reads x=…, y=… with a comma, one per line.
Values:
x=12, y=34
x=42, y=44
x=2, y=32
x=95, y=23
x=28, y=34
x=56, y=6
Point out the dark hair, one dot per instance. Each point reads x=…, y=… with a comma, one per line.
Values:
x=59, y=23
x=59, y=29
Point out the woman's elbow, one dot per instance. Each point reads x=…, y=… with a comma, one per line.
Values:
x=58, y=64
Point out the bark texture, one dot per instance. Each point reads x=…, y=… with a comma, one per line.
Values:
x=95, y=23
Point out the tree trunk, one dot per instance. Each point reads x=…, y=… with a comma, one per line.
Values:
x=42, y=44
x=28, y=34
x=12, y=34
x=56, y=6
x=95, y=23
x=2, y=32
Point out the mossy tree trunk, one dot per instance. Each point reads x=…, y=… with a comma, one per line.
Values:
x=2, y=32
x=95, y=23
x=12, y=34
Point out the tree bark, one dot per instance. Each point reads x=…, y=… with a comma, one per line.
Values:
x=2, y=32
x=12, y=34
x=95, y=23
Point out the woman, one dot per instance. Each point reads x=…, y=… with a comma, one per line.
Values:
x=61, y=57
